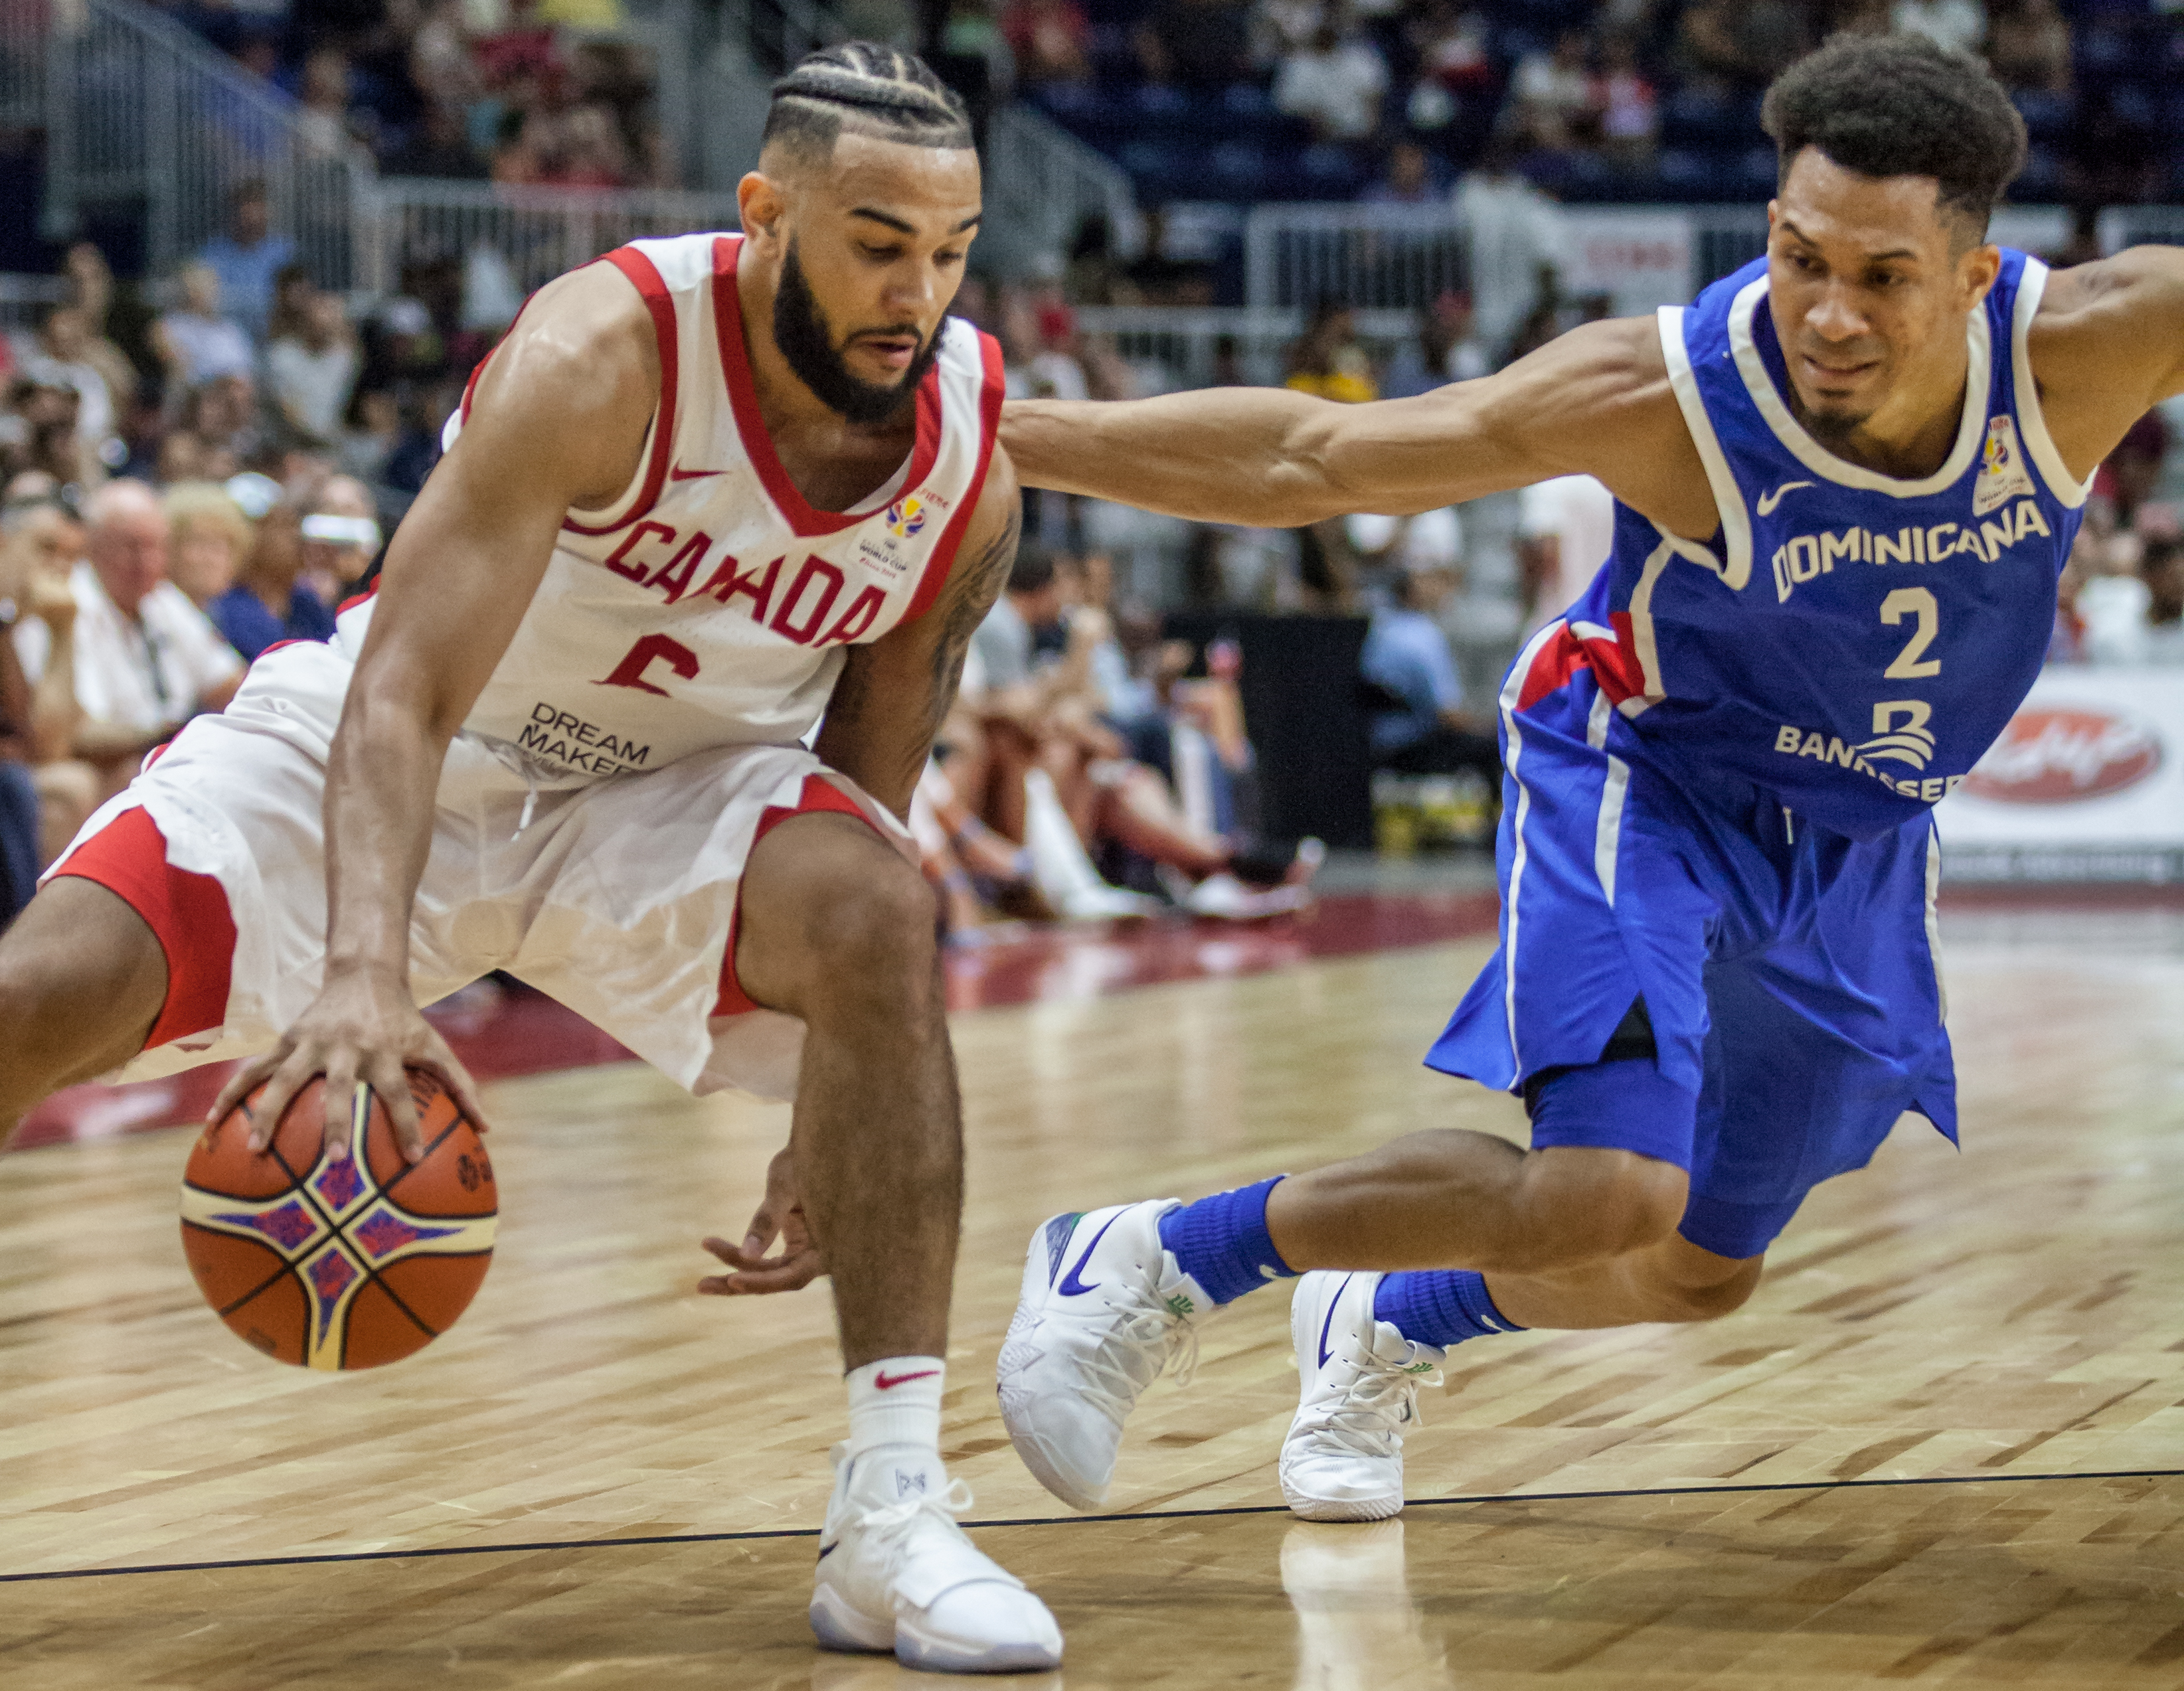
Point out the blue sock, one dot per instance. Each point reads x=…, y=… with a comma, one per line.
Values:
x=1440, y=1306
x=1223, y=1243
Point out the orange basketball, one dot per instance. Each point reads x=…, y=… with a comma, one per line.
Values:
x=340, y=1262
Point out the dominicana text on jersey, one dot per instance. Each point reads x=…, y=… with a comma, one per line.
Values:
x=1851, y=640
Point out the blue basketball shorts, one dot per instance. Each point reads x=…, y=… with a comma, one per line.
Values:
x=1789, y=974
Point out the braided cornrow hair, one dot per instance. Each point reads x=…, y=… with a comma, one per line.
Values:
x=873, y=89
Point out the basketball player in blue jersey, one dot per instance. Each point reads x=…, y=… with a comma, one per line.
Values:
x=1848, y=478
x=705, y=489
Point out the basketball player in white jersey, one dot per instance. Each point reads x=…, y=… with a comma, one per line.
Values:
x=709, y=494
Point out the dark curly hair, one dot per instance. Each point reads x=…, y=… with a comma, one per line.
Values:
x=1899, y=105
x=869, y=89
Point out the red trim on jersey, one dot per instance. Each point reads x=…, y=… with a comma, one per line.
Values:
x=1614, y=664
x=819, y=795
x=989, y=426
x=804, y=517
x=646, y=278
x=349, y=603
x=187, y=914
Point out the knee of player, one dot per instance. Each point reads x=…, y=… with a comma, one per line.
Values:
x=1695, y=1298
x=874, y=931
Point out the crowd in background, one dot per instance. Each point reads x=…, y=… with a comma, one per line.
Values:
x=1595, y=99
x=517, y=91
x=194, y=468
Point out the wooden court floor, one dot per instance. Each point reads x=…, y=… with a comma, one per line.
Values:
x=1943, y=1446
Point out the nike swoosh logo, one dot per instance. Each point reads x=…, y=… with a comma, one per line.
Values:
x=885, y=1384
x=1071, y=1286
x=692, y=475
x=1332, y=1303
x=1769, y=501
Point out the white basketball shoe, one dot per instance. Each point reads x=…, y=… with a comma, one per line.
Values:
x=1104, y=1310
x=1359, y=1379
x=896, y=1574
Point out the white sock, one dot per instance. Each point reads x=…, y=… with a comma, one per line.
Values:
x=896, y=1401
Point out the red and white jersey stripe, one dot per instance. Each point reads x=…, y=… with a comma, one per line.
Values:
x=709, y=605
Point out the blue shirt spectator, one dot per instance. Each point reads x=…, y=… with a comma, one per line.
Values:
x=250, y=626
x=1407, y=655
x=247, y=257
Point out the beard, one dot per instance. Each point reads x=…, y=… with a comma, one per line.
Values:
x=1832, y=429
x=801, y=331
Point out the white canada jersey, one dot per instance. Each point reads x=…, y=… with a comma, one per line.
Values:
x=707, y=606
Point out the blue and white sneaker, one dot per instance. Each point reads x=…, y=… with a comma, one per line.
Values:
x=896, y=1575
x=1104, y=1312
x=1359, y=1380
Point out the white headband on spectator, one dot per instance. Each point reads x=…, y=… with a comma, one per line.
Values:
x=343, y=531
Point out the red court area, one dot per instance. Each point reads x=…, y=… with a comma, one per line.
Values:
x=504, y=1032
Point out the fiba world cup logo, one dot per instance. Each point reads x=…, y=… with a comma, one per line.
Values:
x=905, y=517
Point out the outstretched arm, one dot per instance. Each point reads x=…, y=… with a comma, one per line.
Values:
x=2107, y=345
x=1596, y=400
x=893, y=694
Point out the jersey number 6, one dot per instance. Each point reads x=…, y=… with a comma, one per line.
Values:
x=658, y=649
x=1911, y=664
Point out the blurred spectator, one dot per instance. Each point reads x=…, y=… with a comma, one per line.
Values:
x=1407, y=180
x=62, y=358
x=370, y=434
x=1565, y=535
x=1741, y=43
x=1957, y=24
x=1201, y=42
x=341, y=538
x=1335, y=85
x=325, y=126
x=1419, y=726
x=1447, y=349
x=1327, y=359
x=269, y=602
x=43, y=428
x=439, y=145
x=91, y=292
x=223, y=414
x=195, y=341
x=2113, y=600
x=2163, y=570
x=1455, y=65
x=1051, y=40
x=310, y=370
x=1629, y=111
x=43, y=798
x=147, y=660
x=2128, y=476
x=1514, y=230
x=1432, y=540
x=1552, y=96
x=247, y=256
x=208, y=539
x=2028, y=45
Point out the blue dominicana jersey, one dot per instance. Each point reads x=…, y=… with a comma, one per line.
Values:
x=1850, y=641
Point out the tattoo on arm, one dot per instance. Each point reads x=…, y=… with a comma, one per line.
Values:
x=969, y=595
x=963, y=608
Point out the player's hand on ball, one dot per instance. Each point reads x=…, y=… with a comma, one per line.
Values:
x=782, y=1215
x=362, y=1027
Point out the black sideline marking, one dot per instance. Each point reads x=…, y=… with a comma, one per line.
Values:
x=1076, y=1520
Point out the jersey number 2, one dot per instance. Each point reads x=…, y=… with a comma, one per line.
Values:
x=1912, y=664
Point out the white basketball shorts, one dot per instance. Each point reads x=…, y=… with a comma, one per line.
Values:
x=618, y=898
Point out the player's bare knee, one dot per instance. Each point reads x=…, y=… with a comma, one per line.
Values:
x=873, y=934
x=1582, y=1203
x=1692, y=1285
